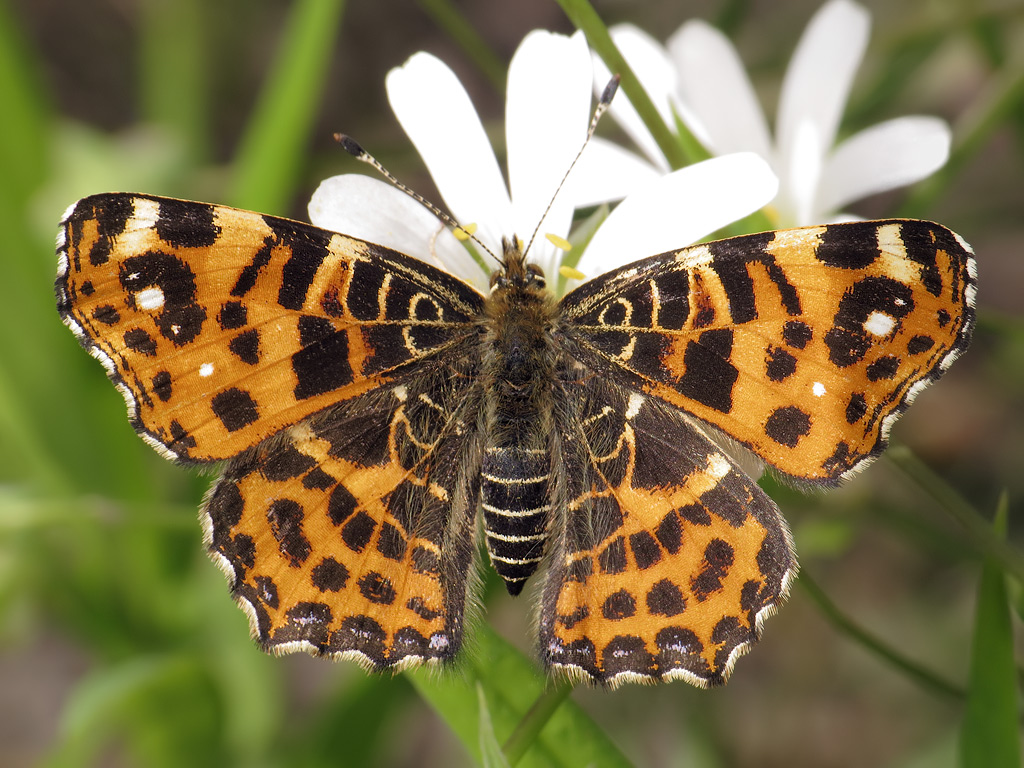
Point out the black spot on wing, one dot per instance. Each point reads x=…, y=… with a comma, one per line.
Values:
x=848, y=246
x=787, y=425
x=309, y=247
x=665, y=599
x=246, y=346
x=322, y=364
x=185, y=224
x=286, y=517
x=235, y=408
x=330, y=575
x=709, y=377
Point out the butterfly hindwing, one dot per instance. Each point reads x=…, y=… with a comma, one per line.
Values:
x=222, y=327
x=669, y=557
x=352, y=533
x=804, y=345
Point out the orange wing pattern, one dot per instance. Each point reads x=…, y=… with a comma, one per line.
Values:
x=222, y=327
x=804, y=345
x=669, y=559
x=351, y=535
x=357, y=396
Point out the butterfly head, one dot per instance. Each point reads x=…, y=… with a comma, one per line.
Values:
x=515, y=273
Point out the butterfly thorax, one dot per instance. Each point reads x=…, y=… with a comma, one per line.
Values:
x=517, y=374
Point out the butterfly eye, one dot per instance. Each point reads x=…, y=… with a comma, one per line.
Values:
x=535, y=276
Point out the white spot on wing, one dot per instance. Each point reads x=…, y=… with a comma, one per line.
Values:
x=146, y=211
x=206, y=369
x=150, y=298
x=818, y=389
x=636, y=402
x=718, y=466
x=879, y=324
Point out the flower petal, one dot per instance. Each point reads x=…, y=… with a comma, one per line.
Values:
x=885, y=156
x=373, y=210
x=818, y=79
x=439, y=118
x=680, y=208
x=652, y=67
x=715, y=86
x=547, y=112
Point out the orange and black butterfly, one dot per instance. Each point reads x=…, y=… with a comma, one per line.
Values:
x=370, y=411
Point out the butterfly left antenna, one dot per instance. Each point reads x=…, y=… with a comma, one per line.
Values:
x=602, y=105
x=355, y=149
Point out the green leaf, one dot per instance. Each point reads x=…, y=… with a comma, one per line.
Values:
x=990, y=734
x=490, y=750
x=512, y=685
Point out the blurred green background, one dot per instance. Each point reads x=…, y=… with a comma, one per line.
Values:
x=119, y=643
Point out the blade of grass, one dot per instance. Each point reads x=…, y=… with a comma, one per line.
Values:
x=582, y=14
x=449, y=18
x=174, y=89
x=990, y=734
x=267, y=165
x=534, y=720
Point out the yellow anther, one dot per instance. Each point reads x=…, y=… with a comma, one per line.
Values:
x=464, y=232
x=570, y=273
x=559, y=242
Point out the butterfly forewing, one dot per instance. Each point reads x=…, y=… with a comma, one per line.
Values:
x=222, y=327
x=803, y=345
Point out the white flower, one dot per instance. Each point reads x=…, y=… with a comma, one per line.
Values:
x=548, y=110
x=700, y=75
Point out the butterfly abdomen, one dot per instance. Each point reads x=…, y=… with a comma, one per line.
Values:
x=516, y=511
x=516, y=474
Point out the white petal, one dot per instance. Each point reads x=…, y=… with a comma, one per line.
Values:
x=819, y=77
x=373, y=210
x=715, y=86
x=679, y=209
x=649, y=62
x=439, y=118
x=606, y=172
x=888, y=155
x=547, y=112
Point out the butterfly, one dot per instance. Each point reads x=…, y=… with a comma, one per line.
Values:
x=376, y=419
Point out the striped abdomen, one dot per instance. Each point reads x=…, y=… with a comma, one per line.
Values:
x=516, y=506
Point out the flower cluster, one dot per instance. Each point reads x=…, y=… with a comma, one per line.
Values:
x=699, y=78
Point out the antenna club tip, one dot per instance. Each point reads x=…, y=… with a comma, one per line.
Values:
x=349, y=144
x=609, y=90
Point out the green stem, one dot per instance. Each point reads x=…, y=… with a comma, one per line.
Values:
x=449, y=18
x=924, y=677
x=534, y=720
x=582, y=14
x=980, y=536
